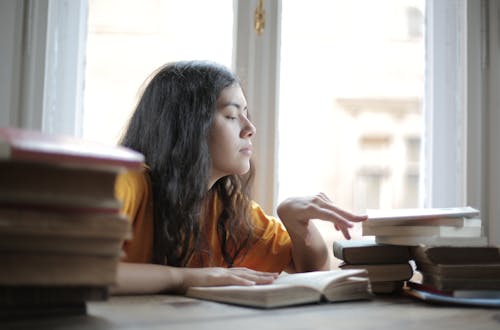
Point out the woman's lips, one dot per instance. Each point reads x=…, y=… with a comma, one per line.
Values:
x=246, y=150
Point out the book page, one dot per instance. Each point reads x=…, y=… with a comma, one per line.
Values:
x=265, y=296
x=319, y=279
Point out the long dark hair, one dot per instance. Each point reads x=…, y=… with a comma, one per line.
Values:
x=170, y=126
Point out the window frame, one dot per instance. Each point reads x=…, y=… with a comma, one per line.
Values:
x=51, y=74
x=459, y=166
x=256, y=61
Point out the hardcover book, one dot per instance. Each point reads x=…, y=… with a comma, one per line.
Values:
x=366, y=251
x=439, y=216
x=37, y=185
x=437, y=297
x=441, y=231
x=34, y=146
x=455, y=255
x=472, y=271
x=433, y=241
x=384, y=272
x=450, y=284
x=39, y=269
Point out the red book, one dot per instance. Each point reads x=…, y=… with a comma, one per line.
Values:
x=34, y=146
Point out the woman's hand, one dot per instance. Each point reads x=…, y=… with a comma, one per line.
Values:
x=296, y=213
x=309, y=251
x=216, y=276
x=150, y=278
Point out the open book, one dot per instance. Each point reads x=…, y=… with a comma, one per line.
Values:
x=293, y=289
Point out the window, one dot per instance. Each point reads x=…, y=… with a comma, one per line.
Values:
x=351, y=90
x=128, y=39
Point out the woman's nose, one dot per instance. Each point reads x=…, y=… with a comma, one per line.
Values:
x=249, y=129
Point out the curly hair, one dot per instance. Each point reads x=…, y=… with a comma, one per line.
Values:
x=170, y=127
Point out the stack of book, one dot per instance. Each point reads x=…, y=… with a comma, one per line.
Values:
x=449, y=250
x=388, y=266
x=458, y=270
x=61, y=229
x=457, y=226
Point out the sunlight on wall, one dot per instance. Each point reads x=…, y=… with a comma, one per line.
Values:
x=129, y=39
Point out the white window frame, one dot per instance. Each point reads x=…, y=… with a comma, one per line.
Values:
x=490, y=122
x=461, y=108
x=256, y=61
x=50, y=75
x=11, y=36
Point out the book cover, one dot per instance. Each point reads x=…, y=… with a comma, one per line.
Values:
x=34, y=146
x=71, y=246
x=471, y=271
x=45, y=185
x=292, y=289
x=455, y=255
x=441, y=299
x=442, y=216
x=39, y=311
x=69, y=233
x=387, y=287
x=455, y=283
x=29, y=295
x=31, y=223
x=433, y=241
x=384, y=272
x=43, y=269
x=441, y=231
x=459, y=293
x=366, y=251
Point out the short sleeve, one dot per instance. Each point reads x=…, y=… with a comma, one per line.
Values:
x=272, y=250
x=133, y=189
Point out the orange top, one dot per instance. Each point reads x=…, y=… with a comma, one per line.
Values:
x=270, y=252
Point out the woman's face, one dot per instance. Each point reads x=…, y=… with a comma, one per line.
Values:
x=230, y=135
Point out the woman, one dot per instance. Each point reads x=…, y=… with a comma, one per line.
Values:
x=193, y=220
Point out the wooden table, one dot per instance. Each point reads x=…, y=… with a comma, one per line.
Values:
x=175, y=312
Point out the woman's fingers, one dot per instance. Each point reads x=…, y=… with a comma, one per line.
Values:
x=327, y=214
x=342, y=220
x=217, y=276
x=254, y=276
x=238, y=276
x=296, y=212
x=342, y=213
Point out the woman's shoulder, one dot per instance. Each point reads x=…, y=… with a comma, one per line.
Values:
x=135, y=180
x=259, y=215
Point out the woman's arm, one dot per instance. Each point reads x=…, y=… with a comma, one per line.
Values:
x=309, y=251
x=135, y=278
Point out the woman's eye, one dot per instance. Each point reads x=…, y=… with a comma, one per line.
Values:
x=231, y=117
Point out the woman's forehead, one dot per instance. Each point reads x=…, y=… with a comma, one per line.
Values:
x=232, y=94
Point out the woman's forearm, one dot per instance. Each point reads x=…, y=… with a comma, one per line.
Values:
x=146, y=279
x=309, y=251
x=149, y=279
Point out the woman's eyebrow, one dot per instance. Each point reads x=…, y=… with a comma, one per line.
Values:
x=236, y=105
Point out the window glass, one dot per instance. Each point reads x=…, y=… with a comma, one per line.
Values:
x=128, y=39
x=351, y=89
